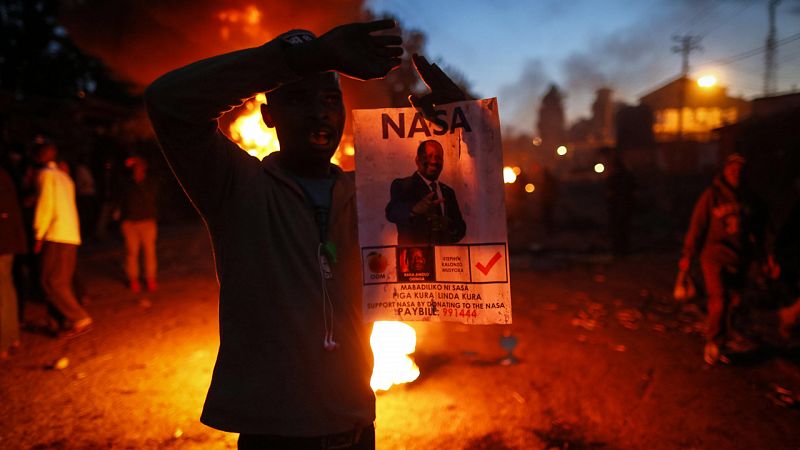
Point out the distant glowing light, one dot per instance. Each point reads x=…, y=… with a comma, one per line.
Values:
x=508, y=175
x=529, y=188
x=707, y=81
x=599, y=168
x=561, y=150
x=537, y=141
x=516, y=170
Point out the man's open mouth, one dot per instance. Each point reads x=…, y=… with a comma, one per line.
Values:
x=321, y=137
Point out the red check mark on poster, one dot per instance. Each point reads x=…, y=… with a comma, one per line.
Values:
x=485, y=269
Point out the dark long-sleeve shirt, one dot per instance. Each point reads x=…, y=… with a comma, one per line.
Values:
x=727, y=226
x=139, y=200
x=272, y=374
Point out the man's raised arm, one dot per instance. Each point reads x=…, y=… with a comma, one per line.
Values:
x=184, y=104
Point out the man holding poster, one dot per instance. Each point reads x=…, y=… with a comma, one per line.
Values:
x=424, y=209
x=284, y=232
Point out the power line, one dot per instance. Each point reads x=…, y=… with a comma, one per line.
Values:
x=750, y=53
x=702, y=14
x=744, y=7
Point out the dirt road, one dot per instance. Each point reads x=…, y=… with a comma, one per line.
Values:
x=607, y=360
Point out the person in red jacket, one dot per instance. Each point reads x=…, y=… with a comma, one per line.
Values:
x=727, y=232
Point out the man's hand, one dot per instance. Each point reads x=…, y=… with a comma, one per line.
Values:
x=424, y=206
x=353, y=51
x=443, y=90
x=37, y=246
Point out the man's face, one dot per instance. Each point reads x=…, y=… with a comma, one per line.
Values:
x=733, y=174
x=46, y=154
x=308, y=117
x=431, y=161
x=417, y=261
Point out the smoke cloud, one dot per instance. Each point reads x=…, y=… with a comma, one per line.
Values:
x=519, y=101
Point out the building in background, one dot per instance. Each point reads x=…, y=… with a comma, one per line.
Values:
x=685, y=113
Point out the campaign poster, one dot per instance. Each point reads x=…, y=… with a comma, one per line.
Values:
x=431, y=214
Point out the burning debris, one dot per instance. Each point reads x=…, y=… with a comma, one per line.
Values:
x=391, y=344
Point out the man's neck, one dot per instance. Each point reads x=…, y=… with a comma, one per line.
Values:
x=427, y=180
x=305, y=169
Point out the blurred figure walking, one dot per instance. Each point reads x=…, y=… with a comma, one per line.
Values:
x=57, y=237
x=12, y=241
x=727, y=231
x=138, y=209
x=620, y=199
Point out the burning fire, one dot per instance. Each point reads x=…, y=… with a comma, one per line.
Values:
x=247, y=19
x=250, y=132
x=391, y=343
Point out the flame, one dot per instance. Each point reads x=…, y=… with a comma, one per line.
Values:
x=247, y=20
x=391, y=343
x=250, y=133
x=508, y=175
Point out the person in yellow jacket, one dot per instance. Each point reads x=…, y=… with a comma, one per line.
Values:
x=57, y=237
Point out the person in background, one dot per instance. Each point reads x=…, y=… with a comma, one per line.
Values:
x=787, y=259
x=57, y=237
x=86, y=198
x=727, y=231
x=548, y=197
x=620, y=199
x=12, y=241
x=138, y=212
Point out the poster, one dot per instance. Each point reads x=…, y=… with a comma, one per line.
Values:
x=431, y=214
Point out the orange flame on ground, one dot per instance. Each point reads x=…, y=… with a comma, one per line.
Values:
x=391, y=342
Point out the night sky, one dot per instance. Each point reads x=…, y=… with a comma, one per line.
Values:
x=514, y=49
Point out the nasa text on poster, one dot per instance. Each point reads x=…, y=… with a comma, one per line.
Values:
x=431, y=214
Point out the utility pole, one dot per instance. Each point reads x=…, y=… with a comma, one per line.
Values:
x=770, y=60
x=686, y=44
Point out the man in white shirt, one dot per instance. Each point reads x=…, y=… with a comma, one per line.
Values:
x=57, y=233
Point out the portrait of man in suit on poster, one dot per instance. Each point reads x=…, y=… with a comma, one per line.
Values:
x=424, y=209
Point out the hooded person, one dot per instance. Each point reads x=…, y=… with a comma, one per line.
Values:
x=727, y=232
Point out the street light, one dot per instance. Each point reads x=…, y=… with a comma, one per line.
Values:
x=561, y=150
x=599, y=168
x=707, y=81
